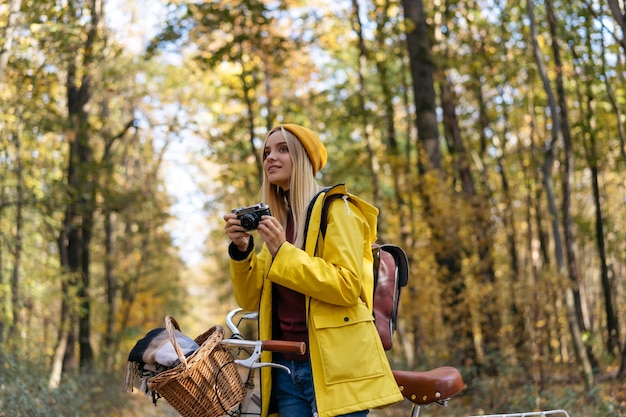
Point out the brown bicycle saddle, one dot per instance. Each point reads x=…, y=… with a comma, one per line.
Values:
x=425, y=387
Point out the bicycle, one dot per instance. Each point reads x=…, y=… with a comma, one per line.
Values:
x=421, y=388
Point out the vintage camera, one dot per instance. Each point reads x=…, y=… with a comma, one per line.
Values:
x=251, y=216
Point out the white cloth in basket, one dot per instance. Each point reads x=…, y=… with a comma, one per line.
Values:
x=154, y=354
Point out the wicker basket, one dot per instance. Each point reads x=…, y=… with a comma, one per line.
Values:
x=205, y=384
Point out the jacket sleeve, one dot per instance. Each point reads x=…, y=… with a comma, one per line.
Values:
x=334, y=276
x=247, y=278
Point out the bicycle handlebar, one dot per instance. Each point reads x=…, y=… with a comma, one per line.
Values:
x=253, y=361
x=280, y=346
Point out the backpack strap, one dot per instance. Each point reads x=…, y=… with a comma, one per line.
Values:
x=327, y=202
x=324, y=225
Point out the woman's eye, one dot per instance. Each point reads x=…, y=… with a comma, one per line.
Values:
x=284, y=149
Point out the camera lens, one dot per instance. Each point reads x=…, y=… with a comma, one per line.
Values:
x=249, y=221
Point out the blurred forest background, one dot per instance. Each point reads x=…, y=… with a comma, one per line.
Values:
x=491, y=134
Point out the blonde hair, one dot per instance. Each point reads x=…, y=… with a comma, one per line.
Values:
x=302, y=187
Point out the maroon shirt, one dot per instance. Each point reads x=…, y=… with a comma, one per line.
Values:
x=290, y=309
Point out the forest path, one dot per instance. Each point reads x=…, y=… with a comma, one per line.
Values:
x=140, y=406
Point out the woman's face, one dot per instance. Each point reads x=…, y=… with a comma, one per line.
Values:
x=277, y=162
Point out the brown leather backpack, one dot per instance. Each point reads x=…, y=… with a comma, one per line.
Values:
x=391, y=273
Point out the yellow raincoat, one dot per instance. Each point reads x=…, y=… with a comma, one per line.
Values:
x=335, y=273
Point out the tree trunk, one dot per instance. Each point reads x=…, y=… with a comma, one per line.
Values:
x=422, y=77
x=532, y=312
x=57, y=361
x=78, y=220
x=75, y=238
x=61, y=355
x=365, y=119
x=621, y=130
x=619, y=16
x=573, y=271
x=622, y=367
x=612, y=321
x=572, y=316
x=520, y=332
x=444, y=229
x=612, y=340
x=489, y=320
x=110, y=288
x=399, y=164
x=16, y=284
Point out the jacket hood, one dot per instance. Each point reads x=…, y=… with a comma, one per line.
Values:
x=367, y=210
x=370, y=213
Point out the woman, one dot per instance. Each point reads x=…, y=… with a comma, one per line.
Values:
x=312, y=287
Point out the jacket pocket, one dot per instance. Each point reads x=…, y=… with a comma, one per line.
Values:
x=346, y=338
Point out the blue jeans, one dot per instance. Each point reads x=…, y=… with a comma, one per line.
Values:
x=294, y=393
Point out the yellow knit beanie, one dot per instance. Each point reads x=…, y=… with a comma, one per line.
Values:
x=312, y=143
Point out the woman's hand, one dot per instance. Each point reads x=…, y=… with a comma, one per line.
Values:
x=272, y=233
x=235, y=232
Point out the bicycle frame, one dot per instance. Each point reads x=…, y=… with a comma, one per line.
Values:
x=529, y=414
x=421, y=388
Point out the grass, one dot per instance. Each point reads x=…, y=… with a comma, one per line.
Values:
x=24, y=392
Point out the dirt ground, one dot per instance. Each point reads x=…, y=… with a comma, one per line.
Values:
x=143, y=407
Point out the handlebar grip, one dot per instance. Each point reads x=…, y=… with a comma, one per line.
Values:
x=284, y=346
